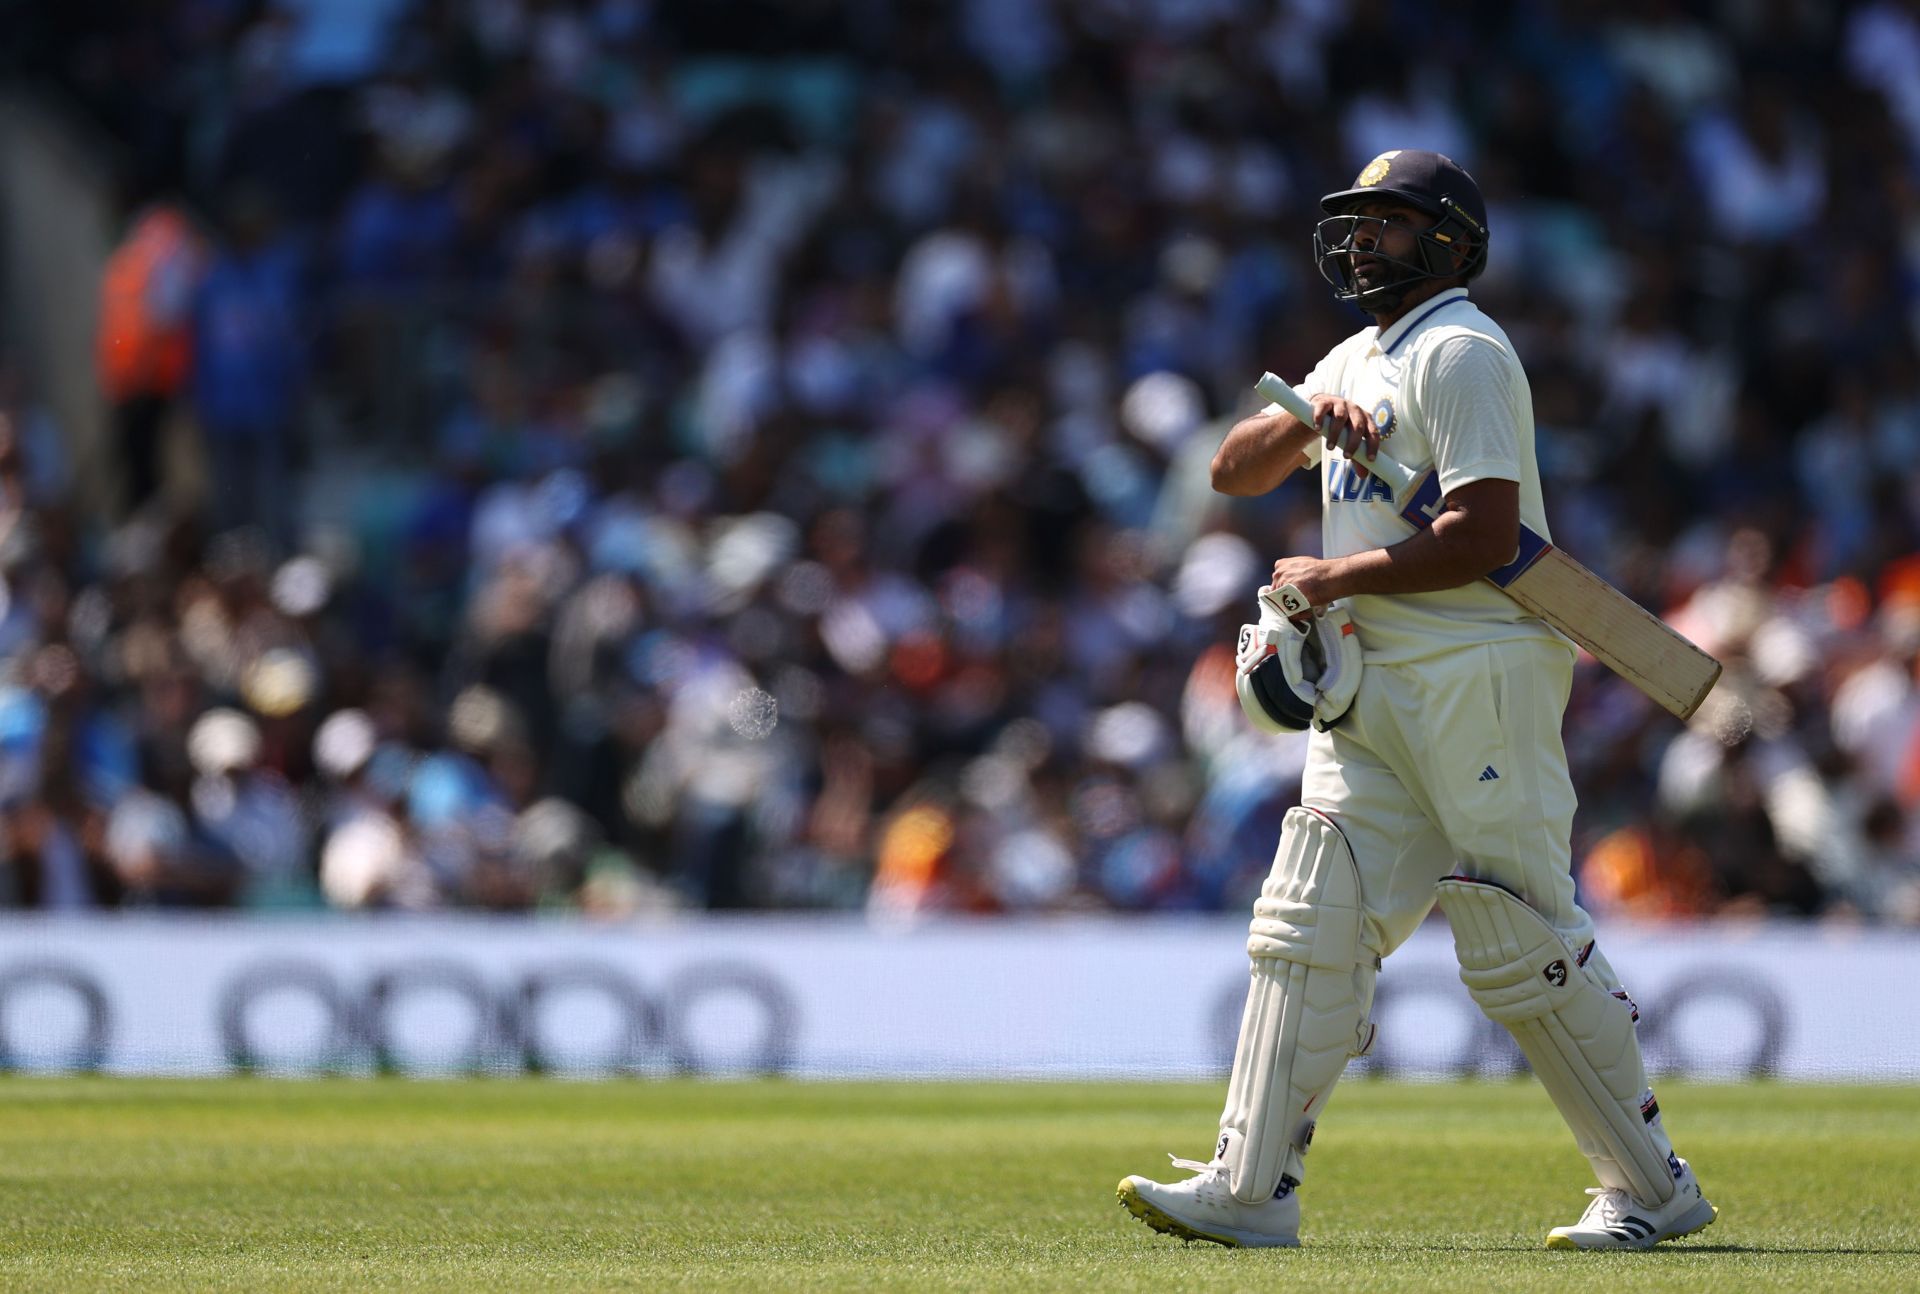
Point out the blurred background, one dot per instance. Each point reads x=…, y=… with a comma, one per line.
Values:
x=631, y=456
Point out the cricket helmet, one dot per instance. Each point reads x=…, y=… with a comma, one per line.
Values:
x=1430, y=182
x=1294, y=674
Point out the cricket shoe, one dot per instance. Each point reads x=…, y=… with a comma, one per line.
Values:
x=1203, y=1208
x=1614, y=1221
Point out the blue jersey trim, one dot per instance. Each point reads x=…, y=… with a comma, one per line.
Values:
x=1423, y=507
x=1420, y=318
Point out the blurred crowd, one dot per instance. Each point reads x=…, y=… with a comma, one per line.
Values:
x=779, y=438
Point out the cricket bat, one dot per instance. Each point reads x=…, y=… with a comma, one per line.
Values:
x=1619, y=632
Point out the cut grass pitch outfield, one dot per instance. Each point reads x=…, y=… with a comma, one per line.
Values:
x=768, y=1186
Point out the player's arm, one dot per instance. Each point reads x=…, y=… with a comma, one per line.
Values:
x=1478, y=532
x=1463, y=388
x=1262, y=451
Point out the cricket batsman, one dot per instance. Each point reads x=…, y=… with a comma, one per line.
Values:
x=1435, y=770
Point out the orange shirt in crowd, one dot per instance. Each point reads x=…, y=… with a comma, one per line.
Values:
x=146, y=307
x=1634, y=872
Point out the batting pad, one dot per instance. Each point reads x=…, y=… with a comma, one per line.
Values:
x=1312, y=984
x=1576, y=1035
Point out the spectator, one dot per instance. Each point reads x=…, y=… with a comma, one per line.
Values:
x=146, y=343
x=250, y=366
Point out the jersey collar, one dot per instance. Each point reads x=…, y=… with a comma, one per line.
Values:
x=1402, y=328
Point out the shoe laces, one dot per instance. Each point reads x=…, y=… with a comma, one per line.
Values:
x=1194, y=1165
x=1609, y=1203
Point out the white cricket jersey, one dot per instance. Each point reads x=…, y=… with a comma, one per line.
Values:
x=1444, y=385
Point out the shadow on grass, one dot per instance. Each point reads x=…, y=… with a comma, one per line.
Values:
x=1680, y=1250
x=1788, y=1249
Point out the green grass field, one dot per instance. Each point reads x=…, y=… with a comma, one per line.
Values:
x=257, y=1185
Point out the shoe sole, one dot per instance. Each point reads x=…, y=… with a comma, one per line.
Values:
x=1168, y=1225
x=1568, y=1242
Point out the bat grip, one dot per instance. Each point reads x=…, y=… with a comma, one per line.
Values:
x=1388, y=469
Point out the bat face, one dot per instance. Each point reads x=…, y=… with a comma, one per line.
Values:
x=1619, y=632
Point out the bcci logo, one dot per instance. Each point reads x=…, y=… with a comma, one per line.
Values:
x=1556, y=973
x=1383, y=418
x=1377, y=170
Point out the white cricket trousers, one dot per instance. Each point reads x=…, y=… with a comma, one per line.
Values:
x=1454, y=764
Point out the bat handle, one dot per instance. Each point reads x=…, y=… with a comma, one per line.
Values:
x=1388, y=469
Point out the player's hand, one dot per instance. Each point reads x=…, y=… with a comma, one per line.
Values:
x=1345, y=426
x=1313, y=576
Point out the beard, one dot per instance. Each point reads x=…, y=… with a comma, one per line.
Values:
x=1382, y=285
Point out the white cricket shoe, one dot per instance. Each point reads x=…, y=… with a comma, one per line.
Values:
x=1203, y=1208
x=1614, y=1221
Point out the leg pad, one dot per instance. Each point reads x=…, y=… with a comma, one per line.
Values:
x=1576, y=1035
x=1307, y=1002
